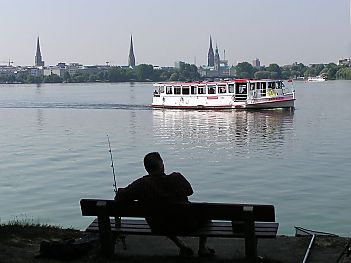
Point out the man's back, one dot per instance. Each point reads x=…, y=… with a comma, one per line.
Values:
x=161, y=188
x=155, y=193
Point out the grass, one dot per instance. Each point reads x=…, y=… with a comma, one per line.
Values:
x=28, y=229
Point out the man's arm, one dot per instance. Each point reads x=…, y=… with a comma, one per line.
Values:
x=129, y=193
x=183, y=184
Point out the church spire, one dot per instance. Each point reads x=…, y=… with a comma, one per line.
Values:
x=38, y=59
x=210, y=55
x=217, y=59
x=131, y=57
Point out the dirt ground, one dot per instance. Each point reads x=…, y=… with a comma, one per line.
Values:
x=21, y=245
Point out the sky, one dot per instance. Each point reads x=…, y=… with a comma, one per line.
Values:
x=164, y=31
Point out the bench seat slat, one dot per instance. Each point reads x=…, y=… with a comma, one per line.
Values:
x=213, y=229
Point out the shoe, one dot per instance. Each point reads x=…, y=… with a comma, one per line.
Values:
x=206, y=252
x=186, y=252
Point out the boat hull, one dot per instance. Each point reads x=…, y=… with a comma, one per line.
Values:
x=268, y=104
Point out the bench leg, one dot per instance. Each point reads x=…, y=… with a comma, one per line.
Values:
x=250, y=237
x=105, y=233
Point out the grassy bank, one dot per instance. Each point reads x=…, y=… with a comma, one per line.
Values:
x=20, y=242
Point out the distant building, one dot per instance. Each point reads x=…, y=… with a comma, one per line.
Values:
x=217, y=60
x=54, y=70
x=35, y=71
x=7, y=70
x=345, y=62
x=38, y=59
x=131, y=57
x=179, y=64
x=216, y=68
x=256, y=63
x=210, y=55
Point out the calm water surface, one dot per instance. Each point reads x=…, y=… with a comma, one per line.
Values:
x=54, y=151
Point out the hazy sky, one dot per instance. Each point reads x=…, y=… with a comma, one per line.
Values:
x=164, y=31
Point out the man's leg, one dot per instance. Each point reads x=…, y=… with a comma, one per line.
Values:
x=203, y=250
x=184, y=250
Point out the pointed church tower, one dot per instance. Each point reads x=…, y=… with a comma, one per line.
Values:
x=217, y=59
x=131, y=58
x=210, y=56
x=38, y=59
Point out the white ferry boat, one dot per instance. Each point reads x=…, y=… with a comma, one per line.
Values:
x=231, y=94
x=316, y=79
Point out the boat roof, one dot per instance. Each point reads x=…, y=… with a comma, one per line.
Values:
x=176, y=83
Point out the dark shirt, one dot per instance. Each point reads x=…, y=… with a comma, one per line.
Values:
x=151, y=189
x=155, y=193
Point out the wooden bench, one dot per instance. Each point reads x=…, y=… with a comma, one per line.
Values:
x=246, y=221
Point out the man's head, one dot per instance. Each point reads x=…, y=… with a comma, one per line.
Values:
x=153, y=163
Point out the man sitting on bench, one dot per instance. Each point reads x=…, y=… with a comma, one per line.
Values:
x=157, y=189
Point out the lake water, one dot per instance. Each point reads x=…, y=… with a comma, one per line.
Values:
x=54, y=151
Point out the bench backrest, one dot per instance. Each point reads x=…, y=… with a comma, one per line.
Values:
x=214, y=211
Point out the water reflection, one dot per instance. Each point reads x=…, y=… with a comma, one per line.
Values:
x=231, y=130
x=40, y=119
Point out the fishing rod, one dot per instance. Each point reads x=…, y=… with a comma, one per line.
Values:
x=112, y=165
x=117, y=219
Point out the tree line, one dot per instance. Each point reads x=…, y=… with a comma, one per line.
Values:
x=185, y=72
x=141, y=73
x=297, y=70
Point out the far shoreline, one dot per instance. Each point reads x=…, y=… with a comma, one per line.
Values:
x=136, y=82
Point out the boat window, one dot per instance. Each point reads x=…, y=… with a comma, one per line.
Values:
x=211, y=89
x=222, y=89
x=177, y=90
x=169, y=90
x=241, y=88
x=185, y=90
x=162, y=89
x=263, y=88
x=258, y=85
x=280, y=85
x=201, y=90
x=252, y=86
x=271, y=85
x=193, y=90
x=231, y=88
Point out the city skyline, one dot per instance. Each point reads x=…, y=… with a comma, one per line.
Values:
x=89, y=32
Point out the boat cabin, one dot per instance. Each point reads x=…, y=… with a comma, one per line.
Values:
x=216, y=94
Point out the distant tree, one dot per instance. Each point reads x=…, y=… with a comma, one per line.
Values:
x=93, y=78
x=32, y=79
x=188, y=72
x=330, y=70
x=318, y=68
x=295, y=73
x=174, y=76
x=275, y=68
x=103, y=76
x=80, y=78
x=244, y=70
x=130, y=74
x=66, y=77
x=344, y=73
x=311, y=72
x=144, y=72
x=286, y=74
x=264, y=74
x=53, y=78
x=115, y=74
x=298, y=70
x=165, y=75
